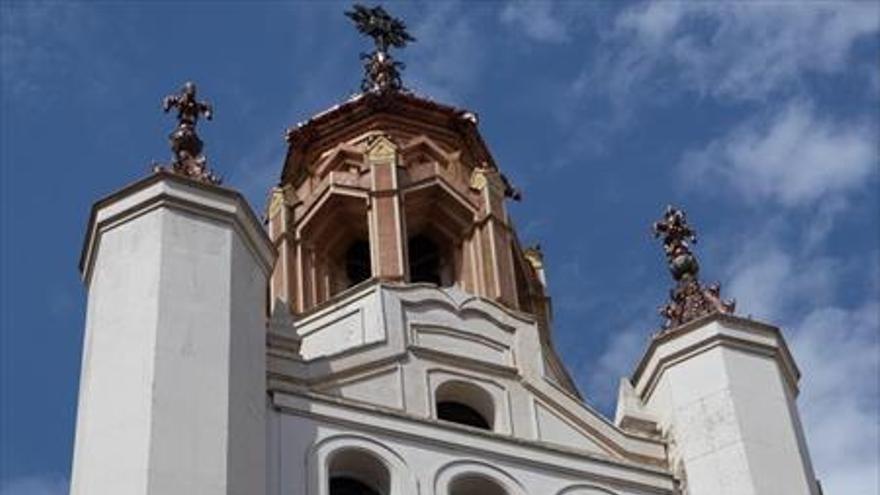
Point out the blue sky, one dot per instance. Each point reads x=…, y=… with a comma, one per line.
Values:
x=760, y=119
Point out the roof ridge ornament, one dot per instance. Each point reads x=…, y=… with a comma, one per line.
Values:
x=381, y=71
x=185, y=142
x=689, y=299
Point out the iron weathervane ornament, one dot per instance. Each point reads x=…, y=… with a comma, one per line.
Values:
x=381, y=71
x=185, y=142
x=689, y=299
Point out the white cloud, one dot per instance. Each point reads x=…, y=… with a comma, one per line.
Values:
x=35, y=485
x=449, y=58
x=45, y=43
x=617, y=360
x=823, y=222
x=258, y=171
x=836, y=346
x=538, y=19
x=651, y=22
x=772, y=281
x=794, y=157
x=838, y=350
x=732, y=50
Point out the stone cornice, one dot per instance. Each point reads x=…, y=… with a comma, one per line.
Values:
x=167, y=190
x=310, y=404
x=731, y=331
x=334, y=121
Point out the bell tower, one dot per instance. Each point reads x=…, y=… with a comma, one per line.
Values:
x=394, y=187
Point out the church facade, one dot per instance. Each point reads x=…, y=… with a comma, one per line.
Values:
x=385, y=332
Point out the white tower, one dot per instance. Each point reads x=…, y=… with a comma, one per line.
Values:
x=720, y=389
x=172, y=395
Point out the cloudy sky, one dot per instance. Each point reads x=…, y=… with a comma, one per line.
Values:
x=760, y=119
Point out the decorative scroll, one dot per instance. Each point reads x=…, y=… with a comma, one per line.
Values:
x=689, y=299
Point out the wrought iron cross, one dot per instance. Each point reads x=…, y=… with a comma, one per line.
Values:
x=188, y=108
x=381, y=71
x=376, y=23
x=677, y=236
x=184, y=141
x=689, y=299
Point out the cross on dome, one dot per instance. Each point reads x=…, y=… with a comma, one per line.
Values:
x=381, y=71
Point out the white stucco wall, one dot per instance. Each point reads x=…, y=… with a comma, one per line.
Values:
x=429, y=336
x=723, y=394
x=382, y=392
x=113, y=417
x=424, y=458
x=172, y=397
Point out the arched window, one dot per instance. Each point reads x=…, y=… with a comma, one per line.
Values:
x=341, y=485
x=357, y=262
x=424, y=260
x=357, y=472
x=465, y=404
x=457, y=412
x=475, y=485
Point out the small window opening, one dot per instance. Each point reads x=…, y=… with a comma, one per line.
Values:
x=464, y=403
x=475, y=485
x=341, y=485
x=357, y=262
x=357, y=472
x=461, y=414
x=424, y=260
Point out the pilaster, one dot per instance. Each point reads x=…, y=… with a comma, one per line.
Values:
x=280, y=217
x=493, y=238
x=386, y=219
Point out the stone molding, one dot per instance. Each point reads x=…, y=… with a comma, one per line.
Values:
x=318, y=462
x=290, y=373
x=167, y=190
x=585, y=466
x=681, y=343
x=322, y=131
x=449, y=472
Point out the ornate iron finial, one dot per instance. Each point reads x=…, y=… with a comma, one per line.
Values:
x=677, y=235
x=185, y=142
x=689, y=299
x=381, y=71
